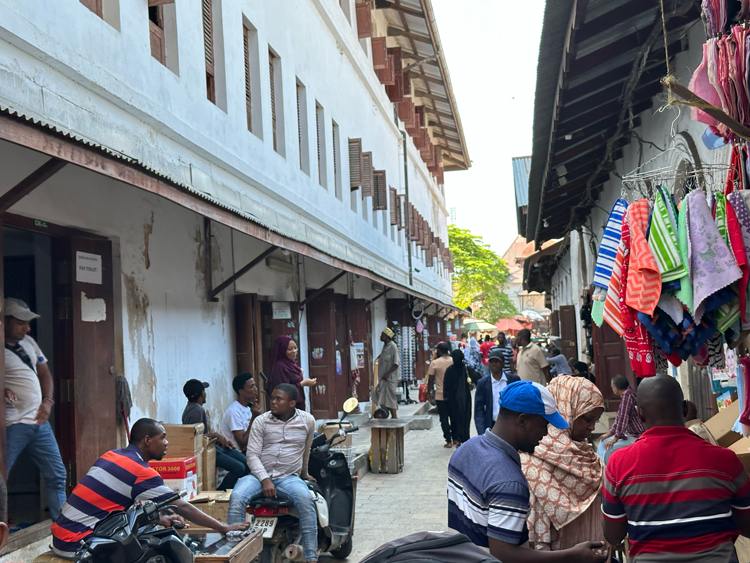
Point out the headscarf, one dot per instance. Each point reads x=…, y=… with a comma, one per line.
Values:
x=473, y=342
x=564, y=476
x=284, y=370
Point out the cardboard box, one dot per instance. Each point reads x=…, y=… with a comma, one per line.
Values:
x=184, y=439
x=742, y=448
x=244, y=552
x=209, y=464
x=179, y=474
x=721, y=424
x=213, y=503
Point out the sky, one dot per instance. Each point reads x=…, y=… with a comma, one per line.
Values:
x=491, y=47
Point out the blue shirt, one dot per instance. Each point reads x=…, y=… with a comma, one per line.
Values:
x=560, y=364
x=488, y=496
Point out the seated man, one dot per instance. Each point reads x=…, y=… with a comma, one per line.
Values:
x=235, y=424
x=117, y=480
x=227, y=458
x=277, y=453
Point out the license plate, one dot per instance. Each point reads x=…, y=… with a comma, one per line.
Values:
x=267, y=524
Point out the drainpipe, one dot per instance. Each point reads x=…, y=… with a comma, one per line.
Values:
x=406, y=192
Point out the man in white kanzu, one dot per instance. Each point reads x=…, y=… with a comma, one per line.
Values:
x=28, y=403
x=389, y=374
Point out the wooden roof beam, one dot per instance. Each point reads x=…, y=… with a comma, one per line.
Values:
x=398, y=32
x=609, y=111
x=608, y=101
x=653, y=71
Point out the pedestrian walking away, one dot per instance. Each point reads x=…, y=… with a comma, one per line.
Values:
x=677, y=497
x=488, y=495
x=389, y=374
x=484, y=349
x=28, y=403
x=457, y=386
x=435, y=381
x=487, y=396
x=564, y=473
x=508, y=357
x=530, y=361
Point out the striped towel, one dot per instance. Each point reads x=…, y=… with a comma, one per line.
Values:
x=720, y=216
x=685, y=293
x=610, y=241
x=662, y=240
x=611, y=313
x=644, y=279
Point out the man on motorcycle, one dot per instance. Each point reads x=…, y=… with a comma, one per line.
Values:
x=277, y=452
x=117, y=480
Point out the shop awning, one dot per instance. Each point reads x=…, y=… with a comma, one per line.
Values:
x=510, y=326
x=539, y=267
x=590, y=91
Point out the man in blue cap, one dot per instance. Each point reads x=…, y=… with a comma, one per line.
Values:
x=488, y=496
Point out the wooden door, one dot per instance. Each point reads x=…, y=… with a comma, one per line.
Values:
x=342, y=372
x=360, y=330
x=610, y=359
x=568, y=332
x=272, y=328
x=84, y=317
x=554, y=323
x=322, y=355
x=248, y=339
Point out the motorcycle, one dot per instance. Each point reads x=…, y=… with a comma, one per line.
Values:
x=279, y=519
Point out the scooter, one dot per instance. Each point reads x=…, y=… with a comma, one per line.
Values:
x=279, y=519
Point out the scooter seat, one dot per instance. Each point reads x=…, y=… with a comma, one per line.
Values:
x=270, y=502
x=314, y=487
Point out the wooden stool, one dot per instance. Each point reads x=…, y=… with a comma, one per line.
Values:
x=387, y=445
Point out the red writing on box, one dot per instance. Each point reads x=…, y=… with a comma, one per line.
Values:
x=175, y=467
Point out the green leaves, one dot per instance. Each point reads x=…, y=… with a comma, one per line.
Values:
x=480, y=276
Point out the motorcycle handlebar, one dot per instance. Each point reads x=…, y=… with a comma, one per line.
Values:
x=352, y=429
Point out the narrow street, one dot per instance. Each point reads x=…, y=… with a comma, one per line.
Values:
x=391, y=506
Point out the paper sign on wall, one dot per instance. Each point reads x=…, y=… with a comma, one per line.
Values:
x=281, y=310
x=88, y=268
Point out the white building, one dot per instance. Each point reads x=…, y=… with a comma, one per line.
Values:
x=174, y=143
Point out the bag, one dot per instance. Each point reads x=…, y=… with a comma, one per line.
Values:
x=430, y=547
x=423, y=393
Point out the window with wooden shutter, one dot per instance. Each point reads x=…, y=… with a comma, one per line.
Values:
x=355, y=163
x=379, y=191
x=400, y=207
x=302, y=136
x=93, y=5
x=396, y=91
x=320, y=141
x=406, y=82
x=208, y=47
x=394, y=206
x=367, y=174
x=387, y=75
x=248, y=88
x=397, y=53
x=156, y=31
x=336, y=163
x=379, y=53
x=364, y=19
x=272, y=76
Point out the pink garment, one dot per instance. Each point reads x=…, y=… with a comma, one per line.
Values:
x=745, y=415
x=702, y=87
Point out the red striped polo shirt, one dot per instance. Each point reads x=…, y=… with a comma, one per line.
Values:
x=678, y=494
x=116, y=480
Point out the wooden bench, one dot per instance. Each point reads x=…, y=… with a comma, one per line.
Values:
x=387, y=445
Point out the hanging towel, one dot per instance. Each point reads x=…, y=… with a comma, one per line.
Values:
x=716, y=357
x=610, y=241
x=611, y=312
x=597, y=312
x=711, y=263
x=672, y=307
x=737, y=200
x=745, y=414
x=644, y=279
x=685, y=293
x=662, y=241
x=720, y=216
x=737, y=246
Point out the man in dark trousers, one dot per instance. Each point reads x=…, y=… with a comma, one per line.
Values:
x=488, y=495
x=487, y=396
x=677, y=497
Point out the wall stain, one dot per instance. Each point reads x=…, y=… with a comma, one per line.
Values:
x=209, y=309
x=148, y=230
x=140, y=329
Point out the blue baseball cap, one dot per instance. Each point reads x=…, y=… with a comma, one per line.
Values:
x=531, y=398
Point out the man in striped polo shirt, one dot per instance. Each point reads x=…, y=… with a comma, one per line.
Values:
x=117, y=480
x=677, y=497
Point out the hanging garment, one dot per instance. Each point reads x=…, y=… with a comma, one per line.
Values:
x=663, y=330
x=644, y=280
x=711, y=263
x=745, y=414
x=662, y=365
x=610, y=241
x=597, y=312
x=662, y=240
x=637, y=339
x=702, y=87
x=695, y=336
x=685, y=293
x=716, y=357
x=737, y=246
x=611, y=313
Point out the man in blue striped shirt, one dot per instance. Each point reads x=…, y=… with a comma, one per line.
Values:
x=488, y=496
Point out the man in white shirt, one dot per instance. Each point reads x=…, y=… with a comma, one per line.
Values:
x=486, y=405
x=28, y=403
x=277, y=453
x=237, y=419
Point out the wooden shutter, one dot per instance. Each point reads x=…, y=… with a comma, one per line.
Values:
x=93, y=5
x=156, y=31
x=248, y=101
x=299, y=124
x=406, y=82
x=394, y=206
x=208, y=46
x=407, y=113
x=386, y=75
x=400, y=211
x=367, y=174
x=428, y=257
x=355, y=163
x=159, y=2
x=379, y=53
x=396, y=52
x=568, y=331
x=271, y=60
x=319, y=134
x=364, y=20
x=554, y=323
x=379, y=191
x=396, y=92
x=413, y=223
x=335, y=139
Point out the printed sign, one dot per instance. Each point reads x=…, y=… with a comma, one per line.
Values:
x=281, y=310
x=89, y=268
x=338, y=362
x=359, y=348
x=317, y=353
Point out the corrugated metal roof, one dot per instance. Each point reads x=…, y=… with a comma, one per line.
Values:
x=521, y=167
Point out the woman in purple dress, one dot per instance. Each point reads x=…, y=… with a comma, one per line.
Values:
x=284, y=369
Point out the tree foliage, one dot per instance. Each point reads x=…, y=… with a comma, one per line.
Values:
x=480, y=276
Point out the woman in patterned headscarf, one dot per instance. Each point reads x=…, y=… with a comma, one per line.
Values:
x=565, y=474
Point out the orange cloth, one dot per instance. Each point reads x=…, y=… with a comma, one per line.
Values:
x=644, y=280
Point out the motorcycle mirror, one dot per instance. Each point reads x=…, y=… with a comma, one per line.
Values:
x=350, y=405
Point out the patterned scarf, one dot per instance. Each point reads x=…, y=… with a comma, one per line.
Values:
x=564, y=476
x=644, y=278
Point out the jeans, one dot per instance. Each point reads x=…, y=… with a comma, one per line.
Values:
x=445, y=424
x=235, y=464
x=604, y=454
x=288, y=488
x=45, y=454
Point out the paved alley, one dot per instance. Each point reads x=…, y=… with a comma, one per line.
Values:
x=391, y=506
